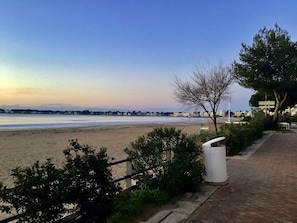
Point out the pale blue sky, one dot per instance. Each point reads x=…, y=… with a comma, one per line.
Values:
x=124, y=54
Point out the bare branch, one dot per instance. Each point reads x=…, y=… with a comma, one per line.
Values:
x=208, y=87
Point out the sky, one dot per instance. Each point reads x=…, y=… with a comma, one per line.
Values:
x=124, y=54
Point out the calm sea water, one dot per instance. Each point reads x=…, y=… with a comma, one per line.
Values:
x=29, y=121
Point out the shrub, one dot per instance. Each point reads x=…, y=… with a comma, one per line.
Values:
x=294, y=118
x=180, y=173
x=133, y=203
x=185, y=172
x=88, y=182
x=43, y=190
x=37, y=191
x=259, y=123
x=203, y=136
x=235, y=137
x=239, y=136
x=247, y=119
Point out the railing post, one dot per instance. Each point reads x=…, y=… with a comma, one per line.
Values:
x=129, y=173
x=168, y=155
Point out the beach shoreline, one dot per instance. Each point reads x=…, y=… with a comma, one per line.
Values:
x=24, y=147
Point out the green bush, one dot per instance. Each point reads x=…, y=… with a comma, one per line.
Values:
x=203, y=136
x=260, y=121
x=133, y=203
x=185, y=172
x=294, y=118
x=37, y=191
x=247, y=119
x=42, y=190
x=235, y=137
x=88, y=182
x=181, y=173
x=239, y=136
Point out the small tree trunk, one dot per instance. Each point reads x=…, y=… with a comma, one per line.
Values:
x=214, y=119
x=215, y=125
x=275, y=115
x=278, y=104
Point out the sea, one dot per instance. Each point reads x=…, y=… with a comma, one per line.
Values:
x=35, y=121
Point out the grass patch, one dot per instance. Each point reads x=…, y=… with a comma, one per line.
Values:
x=135, y=203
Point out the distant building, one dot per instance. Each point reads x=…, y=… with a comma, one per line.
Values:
x=292, y=110
x=221, y=113
x=240, y=113
x=204, y=114
x=249, y=113
x=186, y=114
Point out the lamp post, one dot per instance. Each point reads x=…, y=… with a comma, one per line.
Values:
x=229, y=107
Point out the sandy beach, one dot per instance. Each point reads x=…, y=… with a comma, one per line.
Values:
x=24, y=147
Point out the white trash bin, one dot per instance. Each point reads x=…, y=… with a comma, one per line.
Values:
x=215, y=161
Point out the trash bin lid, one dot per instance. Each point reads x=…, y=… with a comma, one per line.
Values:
x=208, y=143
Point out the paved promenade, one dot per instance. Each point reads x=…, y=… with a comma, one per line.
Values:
x=262, y=188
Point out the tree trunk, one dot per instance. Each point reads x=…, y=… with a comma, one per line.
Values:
x=215, y=125
x=278, y=104
x=214, y=113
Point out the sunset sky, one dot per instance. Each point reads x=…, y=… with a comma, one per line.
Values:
x=124, y=54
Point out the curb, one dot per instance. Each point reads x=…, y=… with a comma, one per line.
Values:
x=185, y=208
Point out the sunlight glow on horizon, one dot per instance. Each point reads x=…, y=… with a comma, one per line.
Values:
x=26, y=90
x=123, y=54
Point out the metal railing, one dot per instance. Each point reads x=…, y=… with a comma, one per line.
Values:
x=127, y=178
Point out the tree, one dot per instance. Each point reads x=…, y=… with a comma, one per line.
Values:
x=269, y=66
x=206, y=90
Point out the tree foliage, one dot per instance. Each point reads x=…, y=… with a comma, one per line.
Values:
x=260, y=96
x=206, y=90
x=269, y=65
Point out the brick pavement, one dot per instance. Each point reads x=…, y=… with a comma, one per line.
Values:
x=260, y=189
